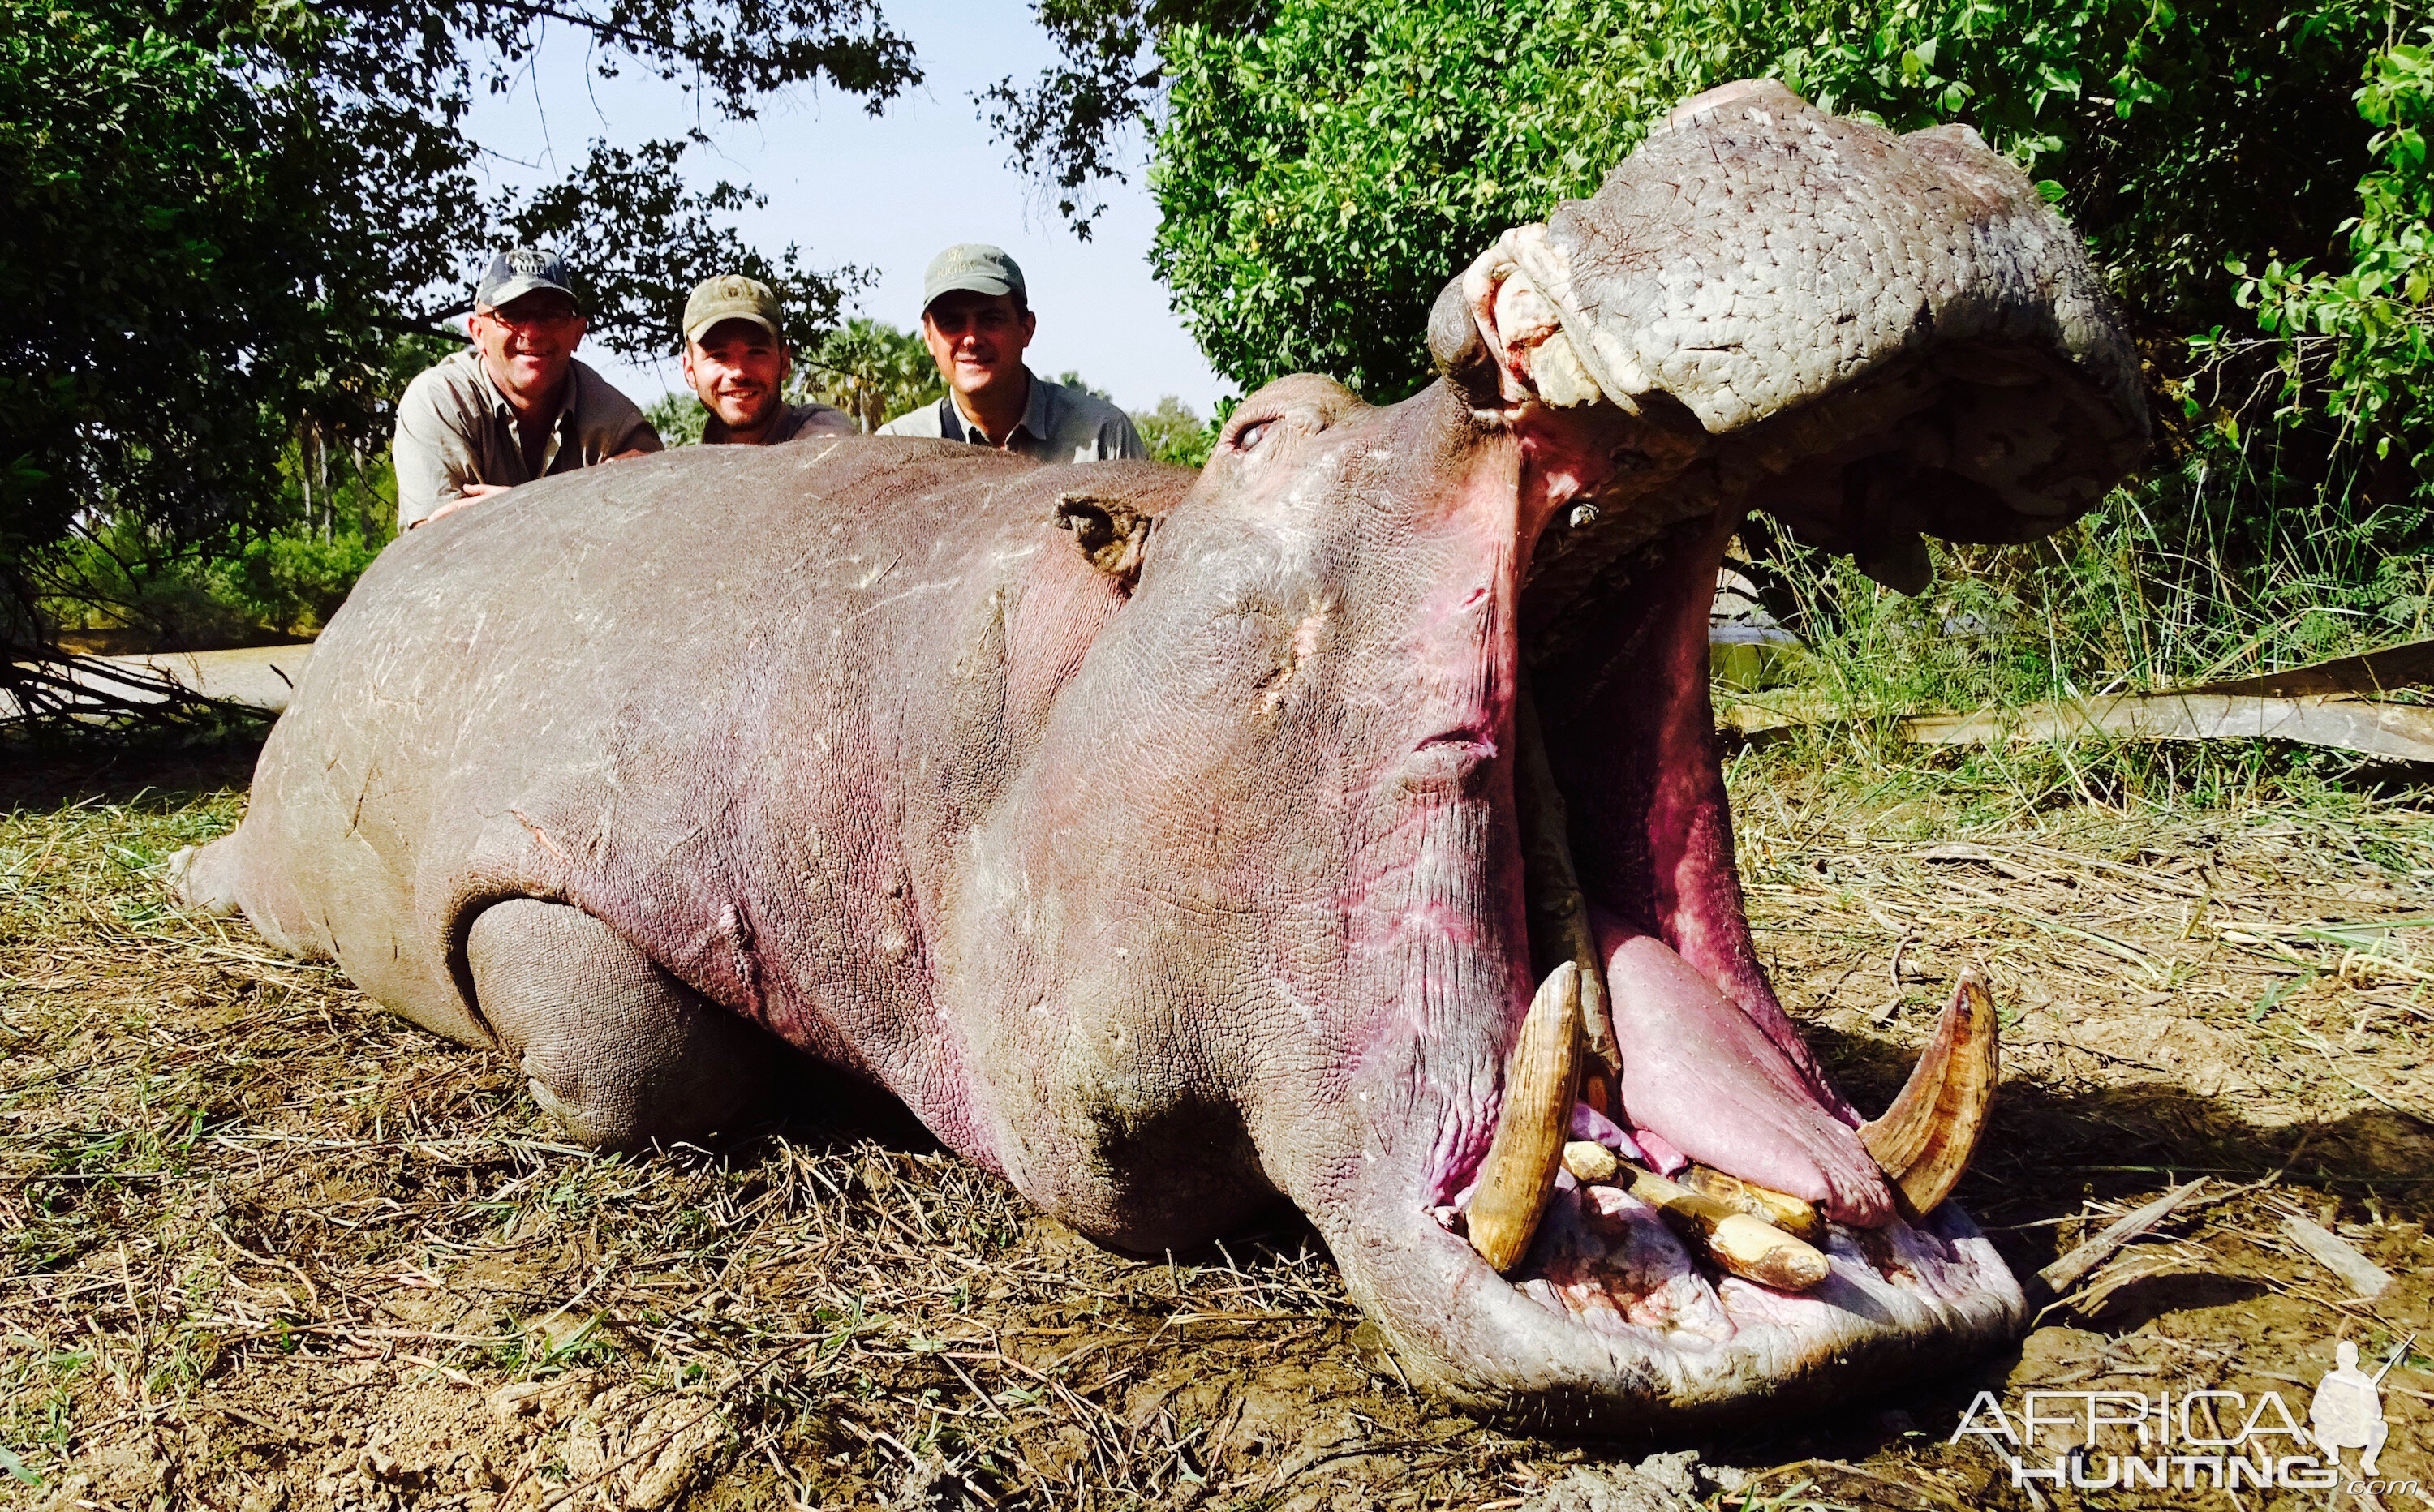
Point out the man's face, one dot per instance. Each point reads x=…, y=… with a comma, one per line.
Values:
x=739, y=370
x=527, y=342
x=977, y=340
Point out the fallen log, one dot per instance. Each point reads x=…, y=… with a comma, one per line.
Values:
x=2341, y=705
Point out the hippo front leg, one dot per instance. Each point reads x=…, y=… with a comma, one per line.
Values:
x=617, y=1050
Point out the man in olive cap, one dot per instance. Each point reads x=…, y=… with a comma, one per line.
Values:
x=514, y=405
x=736, y=359
x=976, y=317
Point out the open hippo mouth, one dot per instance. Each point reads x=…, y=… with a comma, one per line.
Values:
x=1660, y=1208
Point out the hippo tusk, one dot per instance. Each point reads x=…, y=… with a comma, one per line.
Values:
x=1539, y=1089
x=1559, y=914
x=1925, y=1140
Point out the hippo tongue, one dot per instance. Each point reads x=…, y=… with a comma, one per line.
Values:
x=1704, y=1079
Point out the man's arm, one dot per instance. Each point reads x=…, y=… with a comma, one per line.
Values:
x=1120, y=438
x=434, y=467
x=639, y=441
x=921, y=419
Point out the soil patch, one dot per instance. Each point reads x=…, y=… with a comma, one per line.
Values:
x=262, y=1246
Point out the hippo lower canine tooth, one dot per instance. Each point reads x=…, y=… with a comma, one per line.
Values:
x=1518, y=1175
x=1925, y=1140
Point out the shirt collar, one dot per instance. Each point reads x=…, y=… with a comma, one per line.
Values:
x=1037, y=415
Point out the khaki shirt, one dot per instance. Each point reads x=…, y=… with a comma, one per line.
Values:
x=1058, y=424
x=454, y=427
x=798, y=421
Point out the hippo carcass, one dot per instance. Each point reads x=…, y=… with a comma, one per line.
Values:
x=1170, y=845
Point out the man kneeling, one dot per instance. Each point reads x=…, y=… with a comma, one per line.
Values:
x=736, y=359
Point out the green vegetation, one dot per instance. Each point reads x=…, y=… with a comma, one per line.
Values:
x=235, y=226
x=1324, y=173
x=1324, y=165
x=872, y=371
x=1174, y=434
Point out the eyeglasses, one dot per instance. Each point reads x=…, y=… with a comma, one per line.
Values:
x=544, y=318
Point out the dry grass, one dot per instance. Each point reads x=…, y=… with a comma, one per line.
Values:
x=262, y=1245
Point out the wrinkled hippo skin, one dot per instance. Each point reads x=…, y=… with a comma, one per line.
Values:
x=1153, y=836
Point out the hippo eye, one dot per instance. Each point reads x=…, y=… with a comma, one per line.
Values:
x=1249, y=435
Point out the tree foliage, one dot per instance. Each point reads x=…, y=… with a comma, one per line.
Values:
x=1322, y=175
x=226, y=216
x=872, y=371
x=2354, y=344
x=1176, y=433
x=1067, y=128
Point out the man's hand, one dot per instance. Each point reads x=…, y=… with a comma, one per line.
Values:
x=473, y=493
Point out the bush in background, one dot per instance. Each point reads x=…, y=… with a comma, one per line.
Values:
x=1323, y=167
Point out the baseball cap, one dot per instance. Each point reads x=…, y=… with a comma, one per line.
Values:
x=732, y=297
x=974, y=265
x=519, y=271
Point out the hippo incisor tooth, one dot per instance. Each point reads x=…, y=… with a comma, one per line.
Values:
x=1589, y=1161
x=1785, y=1211
x=1746, y=1246
x=1539, y=1088
x=1925, y=1140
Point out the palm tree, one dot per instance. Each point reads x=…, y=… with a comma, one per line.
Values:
x=872, y=371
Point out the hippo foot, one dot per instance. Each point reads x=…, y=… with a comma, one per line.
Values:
x=620, y=1053
x=200, y=877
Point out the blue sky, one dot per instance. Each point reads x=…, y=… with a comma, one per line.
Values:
x=888, y=193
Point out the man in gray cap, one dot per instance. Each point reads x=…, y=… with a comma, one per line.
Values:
x=976, y=317
x=736, y=359
x=514, y=405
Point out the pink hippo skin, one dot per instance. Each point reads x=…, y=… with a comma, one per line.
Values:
x=1153, y=837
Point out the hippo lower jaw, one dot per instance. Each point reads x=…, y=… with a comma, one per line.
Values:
x=1614, y=1316
x=1614, y=1323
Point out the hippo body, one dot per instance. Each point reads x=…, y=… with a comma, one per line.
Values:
x=770, y=769
x=1170, y=845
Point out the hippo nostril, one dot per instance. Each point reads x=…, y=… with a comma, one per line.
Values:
x=1443, y=762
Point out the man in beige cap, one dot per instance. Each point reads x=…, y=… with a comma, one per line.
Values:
x=514, y=405
x=976, y=317
x=736, y=359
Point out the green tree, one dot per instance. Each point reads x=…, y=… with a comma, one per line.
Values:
x=1322, y=174
x=872, y=371
x=2354, y=344
x=1174, y=434
x=225, y=214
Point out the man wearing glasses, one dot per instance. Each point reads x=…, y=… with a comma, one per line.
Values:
x=514, y=406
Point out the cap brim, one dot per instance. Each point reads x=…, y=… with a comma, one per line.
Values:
x=708, y=323
x=516, y=288
x=977, y=283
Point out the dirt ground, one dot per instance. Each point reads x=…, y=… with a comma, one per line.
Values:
x=264, y=1247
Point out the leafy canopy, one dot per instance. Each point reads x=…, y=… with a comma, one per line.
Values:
x=1321, y=174
x=225, y=215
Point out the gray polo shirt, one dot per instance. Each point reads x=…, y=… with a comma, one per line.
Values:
x=1059, y=424
x=798, y=421
x=454, y=427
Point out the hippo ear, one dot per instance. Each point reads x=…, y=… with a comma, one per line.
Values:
x=1109, y=533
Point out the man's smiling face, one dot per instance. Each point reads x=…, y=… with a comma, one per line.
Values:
x=738, y=369
x=528, y=344
x=977, y=340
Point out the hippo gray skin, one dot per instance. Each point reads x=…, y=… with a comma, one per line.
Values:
x=1173, y=845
